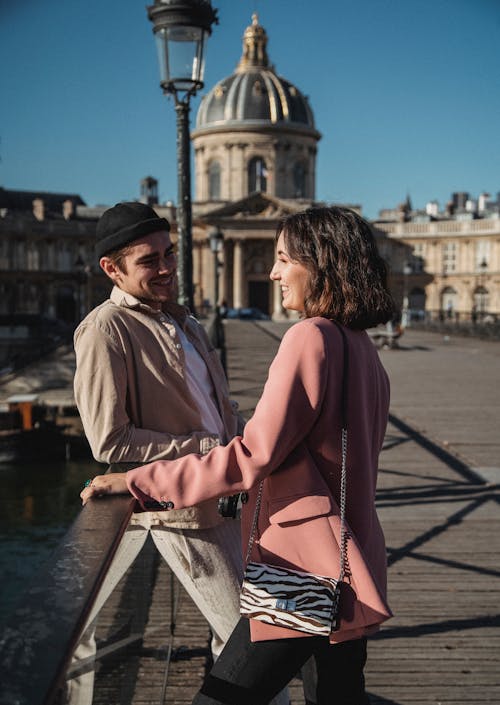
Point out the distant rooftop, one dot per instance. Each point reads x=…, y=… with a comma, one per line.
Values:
x=15, y=200
x=461, y=206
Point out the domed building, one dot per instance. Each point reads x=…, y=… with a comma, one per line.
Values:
x=255, y=145
x=254, y=132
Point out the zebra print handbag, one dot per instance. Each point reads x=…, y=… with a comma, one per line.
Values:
x=289, y=598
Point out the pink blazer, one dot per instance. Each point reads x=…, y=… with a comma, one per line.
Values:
x=293, y=440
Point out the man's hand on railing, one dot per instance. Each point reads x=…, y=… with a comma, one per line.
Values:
x=111, y=483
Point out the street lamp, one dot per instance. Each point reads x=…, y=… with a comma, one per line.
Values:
x=405, y=316
x=483, y=266
x=217, y=334
x=181, y=28
x=216, y=241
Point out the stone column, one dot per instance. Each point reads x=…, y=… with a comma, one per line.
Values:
x=200, y=180
x=238, y=274
x=239, y=183
x=222, y=275
x=227, y=174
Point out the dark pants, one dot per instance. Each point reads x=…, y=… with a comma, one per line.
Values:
x=249, y=673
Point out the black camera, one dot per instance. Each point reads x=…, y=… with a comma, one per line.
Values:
x=231, y=506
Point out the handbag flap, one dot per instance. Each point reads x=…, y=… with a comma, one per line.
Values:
x=296, y=508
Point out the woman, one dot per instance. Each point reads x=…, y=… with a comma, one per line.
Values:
x=329, y=270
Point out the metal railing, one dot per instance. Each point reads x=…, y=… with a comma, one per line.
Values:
x=39, y=638
x=485, y=326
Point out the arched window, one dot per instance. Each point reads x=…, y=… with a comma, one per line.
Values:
x=214, y=181
x=299, y=180
x=257, y=175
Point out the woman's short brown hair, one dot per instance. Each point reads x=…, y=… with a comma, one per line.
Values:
x=348, y=277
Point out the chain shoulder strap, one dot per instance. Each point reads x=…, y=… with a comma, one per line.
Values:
x=251, y=539
x=344, y=535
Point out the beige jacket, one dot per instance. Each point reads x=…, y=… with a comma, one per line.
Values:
x=132, y=395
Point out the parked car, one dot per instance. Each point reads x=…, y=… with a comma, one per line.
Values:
x=248, y=314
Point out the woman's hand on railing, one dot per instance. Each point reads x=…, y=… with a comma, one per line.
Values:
x=111, y=483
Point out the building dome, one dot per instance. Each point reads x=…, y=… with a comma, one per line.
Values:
x=254, y=96
x=254, y=133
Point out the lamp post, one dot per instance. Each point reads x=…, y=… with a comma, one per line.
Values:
x=216, y=241
x=483, y=266
x=405, y=316
x=217, y=334
x=181, y=28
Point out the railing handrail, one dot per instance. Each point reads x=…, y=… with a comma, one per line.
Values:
x=40, y=636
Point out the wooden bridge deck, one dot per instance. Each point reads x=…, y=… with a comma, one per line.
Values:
x=442, y=526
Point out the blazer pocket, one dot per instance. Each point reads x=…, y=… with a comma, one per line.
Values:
x=298, y=507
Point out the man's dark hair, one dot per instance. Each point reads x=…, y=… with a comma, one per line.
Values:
x=347, y=276
x=118, y=257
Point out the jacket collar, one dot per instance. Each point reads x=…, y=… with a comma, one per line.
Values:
x=122, y=298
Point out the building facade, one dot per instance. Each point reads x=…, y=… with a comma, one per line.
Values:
x=446, y=264
x=47, y=260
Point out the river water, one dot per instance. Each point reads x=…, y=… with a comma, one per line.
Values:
x=38, y=502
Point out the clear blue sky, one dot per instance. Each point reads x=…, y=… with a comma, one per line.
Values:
x=406, y=94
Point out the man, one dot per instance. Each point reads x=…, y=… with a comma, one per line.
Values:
x=149, y=385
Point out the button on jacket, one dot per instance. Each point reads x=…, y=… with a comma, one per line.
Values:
x=132, y=394
x=293, y=440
